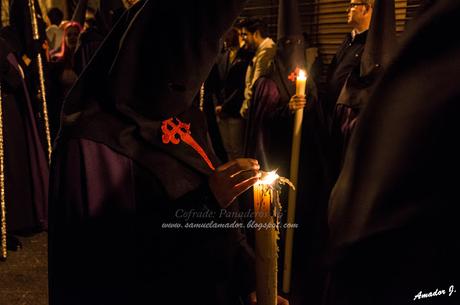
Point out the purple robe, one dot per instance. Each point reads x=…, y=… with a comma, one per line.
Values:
x=26, y=165
x=268, y=132
x=108, y=244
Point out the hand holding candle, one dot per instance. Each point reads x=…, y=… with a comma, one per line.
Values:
x=233, y=178
x=299, y=101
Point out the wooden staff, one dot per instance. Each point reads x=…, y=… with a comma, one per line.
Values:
x=41, y=77
x=292, y=195
x=202, y=97
x=2, y=184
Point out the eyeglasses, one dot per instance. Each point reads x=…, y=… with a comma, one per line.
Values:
x=352, y=5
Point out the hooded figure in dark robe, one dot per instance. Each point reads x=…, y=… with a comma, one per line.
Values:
x=20, y=20
x=25, y=163
x=21, y=23
x=268, y=126
x=105, y=17
x=132, y=167
x=269, y=140
x=269, y=106
x=393, y=213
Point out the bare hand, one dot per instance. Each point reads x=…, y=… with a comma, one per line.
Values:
x=297, y=102
x=279, y=300
x=233, y=178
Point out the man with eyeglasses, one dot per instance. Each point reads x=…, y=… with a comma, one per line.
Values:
x=393, y=214
x=347, y=58
x=349, y=53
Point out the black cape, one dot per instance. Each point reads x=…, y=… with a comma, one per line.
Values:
x=26, y=166
x=393, y=212
x=116, y=180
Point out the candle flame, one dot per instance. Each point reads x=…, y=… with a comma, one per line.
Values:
x=268, y=178
x=302, y=75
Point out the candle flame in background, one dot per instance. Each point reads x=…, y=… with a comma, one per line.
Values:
x=268, y=177
x=302, y=75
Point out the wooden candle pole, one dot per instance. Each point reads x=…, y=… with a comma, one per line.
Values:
x=41, y=77
x=2, y=185
x=294, y=170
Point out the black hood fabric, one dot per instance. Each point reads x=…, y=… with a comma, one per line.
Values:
x=21, y=22
x=148, y=70
x=79, y=14
x=290, y=49
x=380, y=42
x=107, y=14
x=401, y=160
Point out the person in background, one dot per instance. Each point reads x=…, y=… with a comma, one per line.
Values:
x=65, y=52
x=348, y=56
x=255, y=37
x=62, y=74
x=346, y=60
x=54, y=32
x=225, y=87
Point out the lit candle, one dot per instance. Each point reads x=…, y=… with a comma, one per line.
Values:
x=266, y=236
x=301, y=82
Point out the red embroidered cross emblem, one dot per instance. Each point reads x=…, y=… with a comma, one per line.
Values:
x=174, y=133
x=293, y=76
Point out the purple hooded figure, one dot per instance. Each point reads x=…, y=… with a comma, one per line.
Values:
x=25, y=163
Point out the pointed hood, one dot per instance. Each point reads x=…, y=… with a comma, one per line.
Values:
x=126, y=98
x=20, y=21
x=381, y=37
x=290, y=53
x=381, y=40
x=106, y=12
x=288, y=19
x=79, y=14
x=184, y=65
